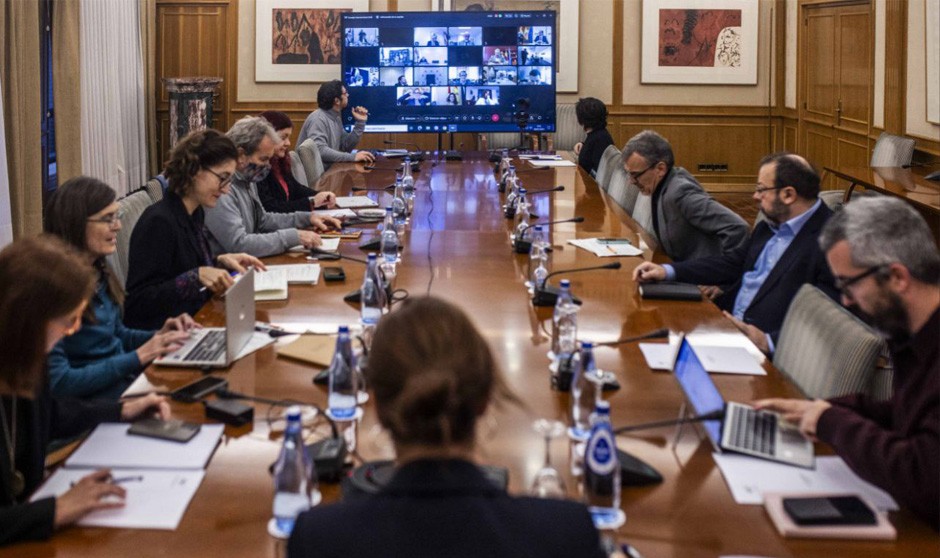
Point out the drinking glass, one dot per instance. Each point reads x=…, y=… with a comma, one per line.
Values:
x=548, y=482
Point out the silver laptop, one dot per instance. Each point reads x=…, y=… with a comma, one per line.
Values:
x=743, y=429
x=217, y=347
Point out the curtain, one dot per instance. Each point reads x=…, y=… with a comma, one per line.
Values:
x=113, y=128
x=22, y=112
x=6, y=218
x=148, y=33
x=68, y=102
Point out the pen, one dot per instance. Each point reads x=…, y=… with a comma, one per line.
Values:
x=273, y=332
x=611, y=250
x=232, y=273
x=117, y=480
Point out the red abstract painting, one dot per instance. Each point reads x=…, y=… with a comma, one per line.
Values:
x=700, y=38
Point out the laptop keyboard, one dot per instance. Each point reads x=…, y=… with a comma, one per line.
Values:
x=753, y=430
x=209, y=349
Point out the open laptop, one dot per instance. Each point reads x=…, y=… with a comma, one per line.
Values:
x=217, y=347
x=743, y=429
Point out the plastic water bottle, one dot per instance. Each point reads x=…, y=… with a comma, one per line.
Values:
x=389, y=239
x=583, y=391
x=538, y=257
x=602, y=469
x=399, y=206
x=564, y=323
x=295, y=479
x=343, y=388
x=511, y=184
x=522, y=213
x=407, y=180
x=372, y=293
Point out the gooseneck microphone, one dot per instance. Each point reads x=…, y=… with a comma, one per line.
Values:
x=547, y=295
x=416, y=156
x=655, y=334
x=326, y=256
x=522, y=246
x=714, y=415
x=377, y=189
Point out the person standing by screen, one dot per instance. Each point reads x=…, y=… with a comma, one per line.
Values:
x=325, y=126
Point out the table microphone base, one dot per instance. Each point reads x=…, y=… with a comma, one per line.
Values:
x=548, y=296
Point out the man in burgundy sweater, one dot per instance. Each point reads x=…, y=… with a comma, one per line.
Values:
x=886, y=263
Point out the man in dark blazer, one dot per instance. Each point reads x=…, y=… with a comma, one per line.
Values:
x=781, y=255
x=687, y=222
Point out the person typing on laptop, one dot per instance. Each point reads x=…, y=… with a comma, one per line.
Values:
x=886, y=264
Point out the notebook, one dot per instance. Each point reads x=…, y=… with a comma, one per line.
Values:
x=743, y=428
x=217, y=347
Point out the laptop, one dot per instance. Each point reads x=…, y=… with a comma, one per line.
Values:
x=743, y=429
x=217, y=347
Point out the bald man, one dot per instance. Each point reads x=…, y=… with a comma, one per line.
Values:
x=780, y=256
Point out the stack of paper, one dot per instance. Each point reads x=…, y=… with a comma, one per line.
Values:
x=345, y=202
x=271, y=284
x=715, y=359
x=554, y=163
x=160, y=476
x=606, y=250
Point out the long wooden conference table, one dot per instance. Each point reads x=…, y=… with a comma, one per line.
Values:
x=457, y=248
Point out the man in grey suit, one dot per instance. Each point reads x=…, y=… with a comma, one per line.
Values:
x=686, y=220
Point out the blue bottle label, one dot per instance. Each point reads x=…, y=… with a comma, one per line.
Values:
x=600, y=452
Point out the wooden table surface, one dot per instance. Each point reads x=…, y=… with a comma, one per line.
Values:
x=459, y=237
x=909, y=184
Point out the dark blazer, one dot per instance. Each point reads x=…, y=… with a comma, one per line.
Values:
x=691, y=223
x=445, y=508
x=275, y=200
x=167, y=248
x=802, y=262
x=592, y=149
x=38, y=421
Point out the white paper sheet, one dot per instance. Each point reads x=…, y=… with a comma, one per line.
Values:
x=142, y=385
x=344, y=202
x=337, y=213
x=561, y=163
x=329, y=244
x=157, y=501
x=258, y=341
x=716, y=359
x=299, y=273
x=749, y=478
x=109, y=445
x=602, y=250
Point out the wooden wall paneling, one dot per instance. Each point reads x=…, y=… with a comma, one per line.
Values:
x=895, y=65
x=817, y=141
x=855, y=66
x=791, y=134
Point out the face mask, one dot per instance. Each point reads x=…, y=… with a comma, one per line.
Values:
x=254, y=172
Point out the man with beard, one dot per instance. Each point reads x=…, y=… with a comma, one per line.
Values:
x=886, y=264
x=781, y=255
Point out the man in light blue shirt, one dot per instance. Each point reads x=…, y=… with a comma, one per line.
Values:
x=780, y=256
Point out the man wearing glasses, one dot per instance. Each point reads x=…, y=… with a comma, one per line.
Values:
x=781, y=255
x=325, y=126
x=687, y=222
x=886, y=264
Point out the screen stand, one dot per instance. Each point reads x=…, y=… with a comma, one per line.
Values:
x=450, y=154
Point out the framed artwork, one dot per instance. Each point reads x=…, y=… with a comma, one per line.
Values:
x=299, y=40
x=566, y=53
x=932, y=41
x=699, y=42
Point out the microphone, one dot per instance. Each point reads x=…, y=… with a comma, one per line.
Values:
x=656, y=334
x=522, y=246
x=714, y=415
x=547, y=295
x=416, y=156
x=376, y=167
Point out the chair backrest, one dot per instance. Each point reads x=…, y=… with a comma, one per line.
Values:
x=643, y=214
x=622, y=191
x=610, y=160
x=309, y=157
x=132, y=206
x=154, y=189
x=892, y=151
x=297, y=168
x=825, y=350
x=567, y=130
x=500, y=140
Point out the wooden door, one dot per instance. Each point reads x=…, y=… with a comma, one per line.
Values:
x=835, y=70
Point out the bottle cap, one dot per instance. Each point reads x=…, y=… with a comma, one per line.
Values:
x=344, y=329
x=587, y=344
x=388, y=209
x=565, y=284
x=538, y=228
x=602, y=407
x=293, y=413
x=372, y=256
x=522, y=191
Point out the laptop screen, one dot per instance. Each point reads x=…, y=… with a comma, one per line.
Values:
x=700, y=390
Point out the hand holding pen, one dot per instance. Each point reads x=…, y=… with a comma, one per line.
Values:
x=93, y=492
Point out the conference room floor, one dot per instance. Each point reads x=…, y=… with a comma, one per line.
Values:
x=457, y=247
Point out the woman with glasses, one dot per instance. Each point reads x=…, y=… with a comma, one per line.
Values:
x=432, y=377
x=101, y=360
x=171, y=268
x=279, y=191
x=47, y=270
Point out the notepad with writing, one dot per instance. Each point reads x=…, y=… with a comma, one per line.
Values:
x=271, y=284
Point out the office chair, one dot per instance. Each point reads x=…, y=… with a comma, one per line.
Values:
x=567, y=130
x=622, y=191
x=132, y=207
x=609, y=161
x=297, y=168
x=310, y=159
x=826, y=351
x=154, y=189
x=892, y=151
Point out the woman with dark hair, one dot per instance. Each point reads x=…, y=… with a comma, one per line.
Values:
x=432, y=377
x=280, y=192
x=44, y=288
x=171, y=268
x=105, y=357
x=592, y=116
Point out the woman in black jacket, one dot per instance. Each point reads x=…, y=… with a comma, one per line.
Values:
x=45, y=285
x=592, y=116
x=279, y=191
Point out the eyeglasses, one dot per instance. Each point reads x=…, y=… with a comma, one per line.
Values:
x=110, y=219
x=843, y=283
x=635, y=175
x=760, y=188
x=223, y=180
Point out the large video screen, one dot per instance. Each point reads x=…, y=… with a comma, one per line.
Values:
x=451, y=71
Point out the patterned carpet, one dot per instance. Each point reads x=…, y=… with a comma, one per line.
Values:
x=741, y=203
